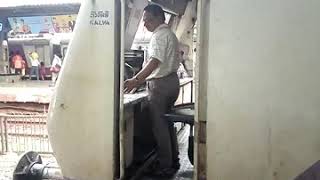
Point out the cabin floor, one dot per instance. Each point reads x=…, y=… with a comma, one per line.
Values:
x=186, y=170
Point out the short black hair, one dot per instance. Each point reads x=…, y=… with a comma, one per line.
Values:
x=59, y=55
x=155, y=10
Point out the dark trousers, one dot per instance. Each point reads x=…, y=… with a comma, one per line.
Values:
x=162, y=94
x=18, y=71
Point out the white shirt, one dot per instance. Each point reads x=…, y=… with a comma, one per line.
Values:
x=164, y=47
x=35, y=62
x=56, y=61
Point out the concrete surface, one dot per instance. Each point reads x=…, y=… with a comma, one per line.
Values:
x=26, y=91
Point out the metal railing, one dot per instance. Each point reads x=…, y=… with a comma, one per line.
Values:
x=185, y=97
x=186, y=92
x=20, y=132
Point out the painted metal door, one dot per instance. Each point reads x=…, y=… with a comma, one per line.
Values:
x=82, y=112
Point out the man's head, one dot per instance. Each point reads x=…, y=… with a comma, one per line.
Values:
x=153, y=17
x=59, y=55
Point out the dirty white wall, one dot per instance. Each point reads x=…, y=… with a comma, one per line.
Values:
x=82, y=111
x=184, y=33
x=263, y=91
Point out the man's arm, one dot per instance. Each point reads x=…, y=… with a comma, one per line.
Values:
x=147, y=70
x=142, y=75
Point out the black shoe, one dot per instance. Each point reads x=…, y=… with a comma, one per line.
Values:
x=154, y=170
x=164, y=173
x=153, y=167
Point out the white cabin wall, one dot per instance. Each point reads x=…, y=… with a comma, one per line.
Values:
x=81, y=119
x=186, y=23
x=201, y=80
x=262, y=89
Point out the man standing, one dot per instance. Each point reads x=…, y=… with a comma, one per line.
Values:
x=71, y=23
x=55, y=68
x=34, y=57
x=160, y=73
x=18, y=63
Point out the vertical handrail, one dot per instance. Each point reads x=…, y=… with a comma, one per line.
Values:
x=2, y=135
x=6, y=133
x=121, y=108
x=191, y=98
x=182, y=89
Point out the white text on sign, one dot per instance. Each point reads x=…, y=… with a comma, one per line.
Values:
x=99, y=18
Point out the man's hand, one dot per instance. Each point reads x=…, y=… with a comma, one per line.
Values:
x=134, y=82
x=130, y=84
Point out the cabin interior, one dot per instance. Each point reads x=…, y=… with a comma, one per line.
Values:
x=139, y=144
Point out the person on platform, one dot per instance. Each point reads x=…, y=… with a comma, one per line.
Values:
x=55, y=67
x=34, y=58
x=42, y=71
x=18, y=63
